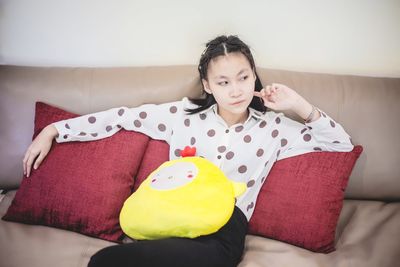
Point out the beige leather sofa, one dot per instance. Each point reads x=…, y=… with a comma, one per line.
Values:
x=368, y=232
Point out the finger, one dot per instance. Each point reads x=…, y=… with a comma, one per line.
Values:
x=39, y=160
x=24, y=161
x=269, y=104
x=268, y=90
x=263, y=92
x=258, y=94
x=29, y=163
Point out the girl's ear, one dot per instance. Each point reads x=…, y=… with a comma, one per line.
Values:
x=206, y=86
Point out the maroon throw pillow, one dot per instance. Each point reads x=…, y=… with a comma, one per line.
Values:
x=301, y=200
x=80, y=186
x=299, y=203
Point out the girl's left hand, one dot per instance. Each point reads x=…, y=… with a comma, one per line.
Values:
x=279, y=97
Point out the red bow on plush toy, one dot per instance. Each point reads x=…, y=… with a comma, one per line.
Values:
x=188, y=151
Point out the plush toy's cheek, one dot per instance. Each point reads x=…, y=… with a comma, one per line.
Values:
x=174, y=176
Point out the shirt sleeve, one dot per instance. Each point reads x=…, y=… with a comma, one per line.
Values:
x=323, y=134
x=156, y=121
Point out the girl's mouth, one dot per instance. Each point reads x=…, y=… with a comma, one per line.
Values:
x=237, y=102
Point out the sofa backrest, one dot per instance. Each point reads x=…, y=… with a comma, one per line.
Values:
x=367, y=107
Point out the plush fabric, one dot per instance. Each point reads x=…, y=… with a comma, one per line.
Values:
x=80, y=186
x=157, y=153
x=299, y=203
x=301, y=200
x=186, y=197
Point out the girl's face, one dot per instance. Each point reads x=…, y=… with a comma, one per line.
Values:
x=231, y=81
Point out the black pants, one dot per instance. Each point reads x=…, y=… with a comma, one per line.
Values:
x=221, y=249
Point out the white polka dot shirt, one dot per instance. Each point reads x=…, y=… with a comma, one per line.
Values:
x=245, y=152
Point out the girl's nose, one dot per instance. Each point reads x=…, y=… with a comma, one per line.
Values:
x=235, y=90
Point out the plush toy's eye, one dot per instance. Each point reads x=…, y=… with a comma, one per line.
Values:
x=153, y=180
x=190, y=176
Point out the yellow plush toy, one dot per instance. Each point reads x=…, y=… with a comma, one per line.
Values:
x=186, y=197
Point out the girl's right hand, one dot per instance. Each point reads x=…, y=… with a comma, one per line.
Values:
x=39, y=148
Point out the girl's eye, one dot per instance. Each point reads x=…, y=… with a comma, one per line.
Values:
x=223, y=83
x=244, y=78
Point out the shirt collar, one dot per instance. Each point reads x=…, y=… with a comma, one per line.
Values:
x=258, y=115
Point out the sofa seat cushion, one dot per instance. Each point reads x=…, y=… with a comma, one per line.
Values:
x=368, y=235
x=42, y=246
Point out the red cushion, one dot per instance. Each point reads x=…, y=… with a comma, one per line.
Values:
x=80, y=186
x=300, y=201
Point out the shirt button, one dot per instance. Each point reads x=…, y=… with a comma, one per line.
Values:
x=227, y=130
x=219, y=157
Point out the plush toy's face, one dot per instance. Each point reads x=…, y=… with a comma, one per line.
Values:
x=174, y=176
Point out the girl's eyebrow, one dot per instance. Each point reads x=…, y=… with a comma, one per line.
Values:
x=240, y=72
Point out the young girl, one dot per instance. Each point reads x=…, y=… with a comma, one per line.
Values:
x=230, y=126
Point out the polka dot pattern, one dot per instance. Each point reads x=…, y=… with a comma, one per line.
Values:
x=251, y=183
x=307, y=137
x=283, y=142
x=92, y=119
x=247, y=138
x=263, y=124
x=238, y=129
x=229, y=155
x=187, y=122
x=274, y=133
x=250, y=206
x=162, y=127
x=192, y=141
x=242, y=169
x=143, y=115
x=239, y=149
x=221, y=149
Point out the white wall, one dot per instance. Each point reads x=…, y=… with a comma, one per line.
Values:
x=343, y=36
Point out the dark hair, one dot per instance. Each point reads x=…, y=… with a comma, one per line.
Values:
x=219, y=46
